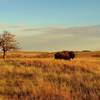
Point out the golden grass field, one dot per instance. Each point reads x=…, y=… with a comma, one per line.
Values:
x=38, y=76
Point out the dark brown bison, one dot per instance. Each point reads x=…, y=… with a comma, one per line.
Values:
x=64, y=55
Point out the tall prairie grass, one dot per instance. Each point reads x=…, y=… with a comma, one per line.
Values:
x=41, y=77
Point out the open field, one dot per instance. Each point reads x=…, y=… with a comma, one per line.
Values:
x=38, y=76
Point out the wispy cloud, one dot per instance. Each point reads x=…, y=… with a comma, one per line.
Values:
x=56, y=37
x=65, y=30
x=62, y=38
x=89, y=30
x=9, y=26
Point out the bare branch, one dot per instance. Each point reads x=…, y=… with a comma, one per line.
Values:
x=8, y=42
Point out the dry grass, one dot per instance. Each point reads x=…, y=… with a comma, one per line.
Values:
x=38, y=76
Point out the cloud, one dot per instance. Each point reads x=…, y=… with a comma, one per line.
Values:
x=56, y=37
x=8, y=26
x=75, y=31
x=89, y=30
x=62, y=38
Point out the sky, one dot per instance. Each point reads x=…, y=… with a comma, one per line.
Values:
x=52, y=24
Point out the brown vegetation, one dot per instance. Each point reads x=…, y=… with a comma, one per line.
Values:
x=35, y=77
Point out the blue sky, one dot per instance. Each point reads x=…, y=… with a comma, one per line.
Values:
x=50, y=12
x=45, y=23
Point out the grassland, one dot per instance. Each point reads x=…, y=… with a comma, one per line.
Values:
x=38, y=76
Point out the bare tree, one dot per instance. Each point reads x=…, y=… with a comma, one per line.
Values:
x=7, y=43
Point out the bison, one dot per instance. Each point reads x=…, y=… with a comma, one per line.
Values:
x=64, y=55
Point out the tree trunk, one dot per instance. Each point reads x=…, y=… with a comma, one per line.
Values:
x=4, y=54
